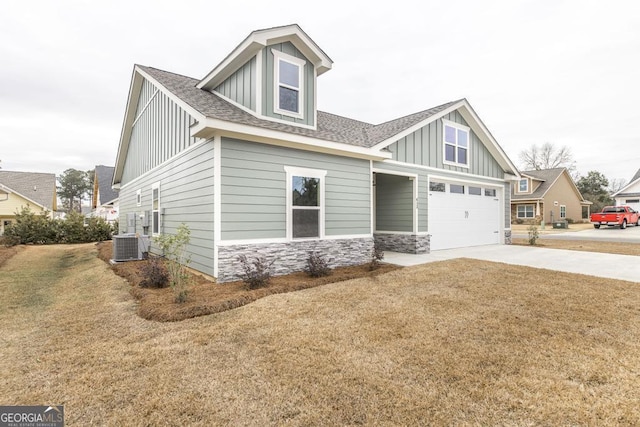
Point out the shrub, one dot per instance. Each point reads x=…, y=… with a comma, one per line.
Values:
x=377, y=255
x=533, y=234
x=257, y=273
x=519, y=221
x=174, y=248
x=155, y=273
x=317, y=266
x=31, y=228
x=98, y=230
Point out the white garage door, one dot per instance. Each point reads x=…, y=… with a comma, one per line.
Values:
x=462, y=215
x=632, y=203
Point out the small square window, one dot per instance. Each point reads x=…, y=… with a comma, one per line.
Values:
x=524, y=186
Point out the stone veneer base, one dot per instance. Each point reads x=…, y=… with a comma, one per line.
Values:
x=292, y=257
x=507, y=237
x=404, y=243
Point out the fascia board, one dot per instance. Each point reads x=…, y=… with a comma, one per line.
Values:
x=134, y=94
x=626, y=187
x=211, y=127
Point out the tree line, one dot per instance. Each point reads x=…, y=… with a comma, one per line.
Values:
x=74, y=186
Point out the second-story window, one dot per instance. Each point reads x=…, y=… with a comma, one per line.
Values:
x=524, y=186
x=289, y=94
x=456, y=144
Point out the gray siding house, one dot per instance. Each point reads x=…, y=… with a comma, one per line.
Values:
x=245, y=159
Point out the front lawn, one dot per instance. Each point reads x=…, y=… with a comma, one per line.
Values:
x=460, y=342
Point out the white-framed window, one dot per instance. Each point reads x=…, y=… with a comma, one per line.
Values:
x=288, y=84
x=523, y=186
x=139, y=198
x=526, y=211
x=155, y=209
x=305, y=202
x=475, y=191
x=563, y=211
x=491, y=192
x=456, y=144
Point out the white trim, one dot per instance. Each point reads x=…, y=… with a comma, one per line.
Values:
x=457, y=127
x=154, y=186
x=372, y=198
x=432, y=169
x=12, y=191
x=298, y=62
x=393, y=172
x=262, y=117
x=292, y=171
x=404, y=233
x=217, y=201
x=139, y=197
x=525, y=191
x=275, y=240
x=186, y=151
x=210, y=127
x=259, y=87
x=145, y=108
x=565, y=211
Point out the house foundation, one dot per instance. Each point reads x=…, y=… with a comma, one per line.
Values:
x=403, y=243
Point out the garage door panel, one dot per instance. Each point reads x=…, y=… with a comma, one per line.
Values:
x=460, y=220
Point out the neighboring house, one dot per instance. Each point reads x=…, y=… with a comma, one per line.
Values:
x=244, y=158
x=547, y=195
x=630, y=194
x=18, y=190
x=104, y=201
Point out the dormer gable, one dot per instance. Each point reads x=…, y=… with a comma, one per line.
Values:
x=272, y=74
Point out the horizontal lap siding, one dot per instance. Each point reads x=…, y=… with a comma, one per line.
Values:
x=394, y=203
x=422, y=189
x=160, y=131
x=254, y=190
x=425, y=147
x=186, y=195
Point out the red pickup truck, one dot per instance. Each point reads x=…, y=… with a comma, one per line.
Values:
x=615, y=216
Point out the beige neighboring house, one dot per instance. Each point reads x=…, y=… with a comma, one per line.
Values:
x=547, y=195
x=629, y=195
x=18, y=190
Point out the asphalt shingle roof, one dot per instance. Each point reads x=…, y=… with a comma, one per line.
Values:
x=36, y=186
x=547, y=176
x=104, y=175
x=636, y=176
x=330, y=127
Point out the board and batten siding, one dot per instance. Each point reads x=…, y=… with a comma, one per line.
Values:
x=268, y=84
x=159, y=132
x=186, y=196
x=253, y=190
x=394, y=203
x=425, y=147
x=241, y=86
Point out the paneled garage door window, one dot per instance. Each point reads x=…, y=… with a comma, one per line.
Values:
x=436, y=186
x=455, y=188
x=491, y=192
x=475, y=191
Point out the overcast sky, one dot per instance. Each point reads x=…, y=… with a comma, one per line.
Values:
x=565, y=72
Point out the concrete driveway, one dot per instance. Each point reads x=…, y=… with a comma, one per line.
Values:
x=606, y=234
x=623, y=267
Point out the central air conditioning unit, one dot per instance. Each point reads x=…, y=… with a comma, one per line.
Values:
x=130, y=247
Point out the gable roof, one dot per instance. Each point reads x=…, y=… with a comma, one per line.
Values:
x=259, y=39
x=36, y=187
x=104, y=176
x=548, y=177
x=624, y=190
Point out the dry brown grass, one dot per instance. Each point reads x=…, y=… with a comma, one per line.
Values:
x=460, y=342
x=619, y=248
x=206, y=297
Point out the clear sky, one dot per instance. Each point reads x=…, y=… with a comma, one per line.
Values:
x=565, y=72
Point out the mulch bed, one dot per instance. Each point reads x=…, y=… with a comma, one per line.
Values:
x=207, y=297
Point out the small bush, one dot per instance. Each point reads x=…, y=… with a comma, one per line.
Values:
x=257, y=273
x=174, y=248
x=155, y=273
x=317, y=266
x=519, y=221
x=533, y=234
x=377, y=255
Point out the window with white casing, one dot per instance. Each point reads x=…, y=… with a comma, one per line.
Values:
x=155, y=209
x=526, y=211
x=139, y=198
x=289, y=84
x=523, y=186
x=456, y=144
x=563, y=211
x=305, y=203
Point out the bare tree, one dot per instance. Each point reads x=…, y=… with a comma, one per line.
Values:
x=547, y=156
x=616, y=184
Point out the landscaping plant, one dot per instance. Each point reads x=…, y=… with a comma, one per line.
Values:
x=174, y=249
x=317, y=266
x=257, y=273
x=155, y=273
x=533, y=234
x=377, y=255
